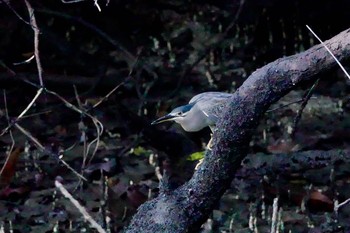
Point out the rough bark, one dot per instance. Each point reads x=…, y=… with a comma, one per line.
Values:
x=256, y=166
x=187, y=207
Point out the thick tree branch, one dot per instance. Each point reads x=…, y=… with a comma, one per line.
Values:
x=257, y=166
x=187, y=207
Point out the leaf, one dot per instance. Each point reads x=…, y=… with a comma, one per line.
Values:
x=196, y=156
x=106, y=166
x=8, y=170
x=141, y=151
x=135, y=196
x=319, y=201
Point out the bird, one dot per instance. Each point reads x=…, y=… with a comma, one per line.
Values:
x=203, y=110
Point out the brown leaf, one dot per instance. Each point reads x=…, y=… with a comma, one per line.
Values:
x=318, y=201
x=117, y=186
x=18, y=192
x=135, y=196
x=8, y=170
x=282, y=147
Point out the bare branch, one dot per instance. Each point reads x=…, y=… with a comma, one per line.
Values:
x=81, y=209
x=187, y=207
x=330, y=52
x=36, y=41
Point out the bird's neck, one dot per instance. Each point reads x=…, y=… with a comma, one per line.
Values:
x=192, y=123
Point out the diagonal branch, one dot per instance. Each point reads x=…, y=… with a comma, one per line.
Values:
x=187, y=207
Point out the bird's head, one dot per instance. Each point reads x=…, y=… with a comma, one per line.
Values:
x=177, y=114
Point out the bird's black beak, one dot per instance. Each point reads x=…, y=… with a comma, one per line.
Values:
x=163, y=119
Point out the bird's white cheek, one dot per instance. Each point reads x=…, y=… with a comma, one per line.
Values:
x=178, y=121
x=184, y=123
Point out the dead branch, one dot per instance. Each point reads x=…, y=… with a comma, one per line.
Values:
x=187, y=207
x=64, y=80
x=36, y=41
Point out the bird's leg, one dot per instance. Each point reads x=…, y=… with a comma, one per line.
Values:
x=198, y=164
x=209, y=145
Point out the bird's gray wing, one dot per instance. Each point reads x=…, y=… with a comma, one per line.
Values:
x=211, y=104
x=210, y=96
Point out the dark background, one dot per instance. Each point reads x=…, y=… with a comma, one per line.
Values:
x=163, y=52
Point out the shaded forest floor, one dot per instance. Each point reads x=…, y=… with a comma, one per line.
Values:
x=126, y=168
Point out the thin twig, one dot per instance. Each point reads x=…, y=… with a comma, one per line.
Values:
x=286, y=105
x=110, y=93
x=72, y=169
x=9, y=152
x=76, y=94
x=99, y=128
x=31, y=137
x=97, y=6
x=129, y=56
x=330, y=52
x=238, y=13
x=23, y=112
x=43, y=149
x=37, y=114
x=336, y=207
x=97, y=123
x=9, y=72
x=36, y=41
x=306, y=99
x=38, y=93
x=274, y=215
x=81, y=209
x=72, y=1
x=15, y=12
x=25, y=61
x=82, y=129
x=120, y=84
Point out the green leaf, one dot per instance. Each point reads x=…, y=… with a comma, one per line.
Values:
x=196, y=156
x=140, y=151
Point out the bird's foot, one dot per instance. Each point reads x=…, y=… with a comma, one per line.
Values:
x=198, y=164
x=209, y=145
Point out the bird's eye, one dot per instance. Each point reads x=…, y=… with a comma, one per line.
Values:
x=179, y=113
